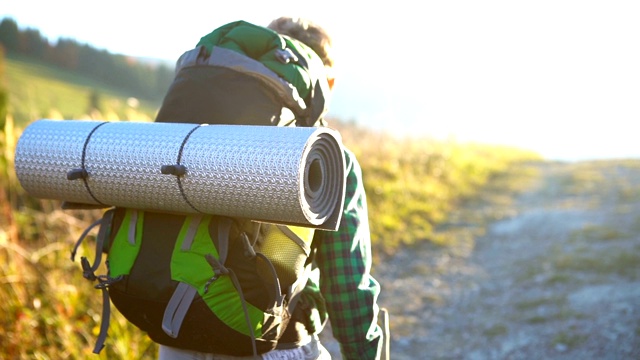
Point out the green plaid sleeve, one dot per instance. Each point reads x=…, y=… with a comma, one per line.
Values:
x=344, y=260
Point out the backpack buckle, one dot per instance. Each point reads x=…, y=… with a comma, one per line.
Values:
x=87, y=271
x=218, y=270
x=104, y=281
x=285, y=56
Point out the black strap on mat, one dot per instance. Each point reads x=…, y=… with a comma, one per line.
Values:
x=81, y=173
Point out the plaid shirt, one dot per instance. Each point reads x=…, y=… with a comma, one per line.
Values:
x=344, y=260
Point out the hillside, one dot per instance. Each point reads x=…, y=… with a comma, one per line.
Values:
x=39, y=90
x=143, y=79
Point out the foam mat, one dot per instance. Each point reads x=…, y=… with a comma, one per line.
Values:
x=285, y=175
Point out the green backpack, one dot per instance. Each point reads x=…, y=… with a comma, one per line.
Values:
x=206, y=283
x=213, y=283
x=247, y=74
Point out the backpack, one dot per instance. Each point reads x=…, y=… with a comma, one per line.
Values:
x=282, y=79
x=213, y=282
x=201, y=282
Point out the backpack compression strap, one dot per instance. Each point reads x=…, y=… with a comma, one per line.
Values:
x=184, y=294
x=88, y=272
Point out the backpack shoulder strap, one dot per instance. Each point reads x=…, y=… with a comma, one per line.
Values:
x=184, y=293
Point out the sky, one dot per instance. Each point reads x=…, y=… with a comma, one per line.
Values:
x=560, y=77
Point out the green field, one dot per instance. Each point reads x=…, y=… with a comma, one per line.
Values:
x=38, y=91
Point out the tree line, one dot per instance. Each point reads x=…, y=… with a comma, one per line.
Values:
x=145, y=80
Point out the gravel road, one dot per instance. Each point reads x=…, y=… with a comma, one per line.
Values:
x=555, y=274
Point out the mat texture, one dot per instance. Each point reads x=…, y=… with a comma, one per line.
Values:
x=284, y=175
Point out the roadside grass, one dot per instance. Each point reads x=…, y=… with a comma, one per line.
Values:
x=635, y=227
x=628, y=193
x=583, y=179
x=594, y=233
x=569, y=340
x=604, y=263
x=469, y=219
x=556, y=308
x=562, y=314
x=495, y=331
x=566, y=266
x=542, y=301
x=578, y=261
x=590, y=178
x=605, y=260
x=563, y=267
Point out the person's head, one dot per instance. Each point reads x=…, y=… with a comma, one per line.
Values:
x=312, y=35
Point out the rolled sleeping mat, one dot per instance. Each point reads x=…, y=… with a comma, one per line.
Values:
x=282, y=175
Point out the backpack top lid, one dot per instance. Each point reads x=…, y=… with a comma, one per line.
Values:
x=289, y=58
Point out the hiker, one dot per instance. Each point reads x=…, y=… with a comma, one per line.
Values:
x=342, y=287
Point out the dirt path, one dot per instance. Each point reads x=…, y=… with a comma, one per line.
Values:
x=558, y=277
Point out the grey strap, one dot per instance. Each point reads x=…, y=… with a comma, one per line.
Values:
x=104, y=280
x=189, y=58
x=191, y=233
x=296, y=288
x=236, y=283
x=276, y=291
x=224, y=229
x=256, y=232
x=104, y=323
x=132, y=227
x=82, y=236
x=295, y=238
x=177, y=309
x=88, y=270
x=103, y=233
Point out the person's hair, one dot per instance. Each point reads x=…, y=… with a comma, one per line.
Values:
x=307, y=32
